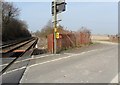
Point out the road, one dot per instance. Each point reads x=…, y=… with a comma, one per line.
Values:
x=97, y=63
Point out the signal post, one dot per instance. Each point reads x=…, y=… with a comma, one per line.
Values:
x=58, y=6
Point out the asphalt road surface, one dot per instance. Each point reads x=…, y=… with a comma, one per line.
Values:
x=97, y=63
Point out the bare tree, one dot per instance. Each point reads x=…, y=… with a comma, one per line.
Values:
x=48, y=29
x=84, y=30
x=9, y=11
x=12, y=27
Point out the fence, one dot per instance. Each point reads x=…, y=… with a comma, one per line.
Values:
x=68, y=40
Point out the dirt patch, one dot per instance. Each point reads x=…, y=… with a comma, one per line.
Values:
x=39, y=51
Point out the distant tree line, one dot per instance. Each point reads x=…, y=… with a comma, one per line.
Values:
x=12, y=27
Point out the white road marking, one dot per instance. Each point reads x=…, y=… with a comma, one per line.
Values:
x=81, y=52
x=27, y=59
x=43, y=62
x=50, y=55
x=60, y=58
x=115, y=79
x=51, y=60
x=69, y=53
x=23, y=74
x=14, y=70
x=25, y=66
x=3, y=65
x=46, y=61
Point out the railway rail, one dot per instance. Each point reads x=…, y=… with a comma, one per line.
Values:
x=9, y=65
x=9, y=51
x=14, y=43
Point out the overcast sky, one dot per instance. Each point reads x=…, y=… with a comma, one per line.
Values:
x=100, y=17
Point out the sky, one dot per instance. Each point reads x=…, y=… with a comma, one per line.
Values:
x=65, y=0
x=99, y=17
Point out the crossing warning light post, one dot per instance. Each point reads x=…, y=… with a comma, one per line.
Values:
x=55, y=26
x=58, y=6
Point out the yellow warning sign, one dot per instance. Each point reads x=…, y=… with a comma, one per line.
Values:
x=57, y=35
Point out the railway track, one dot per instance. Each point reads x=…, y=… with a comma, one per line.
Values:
x=13, y=43
x=15, y=60
x=9, y=50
